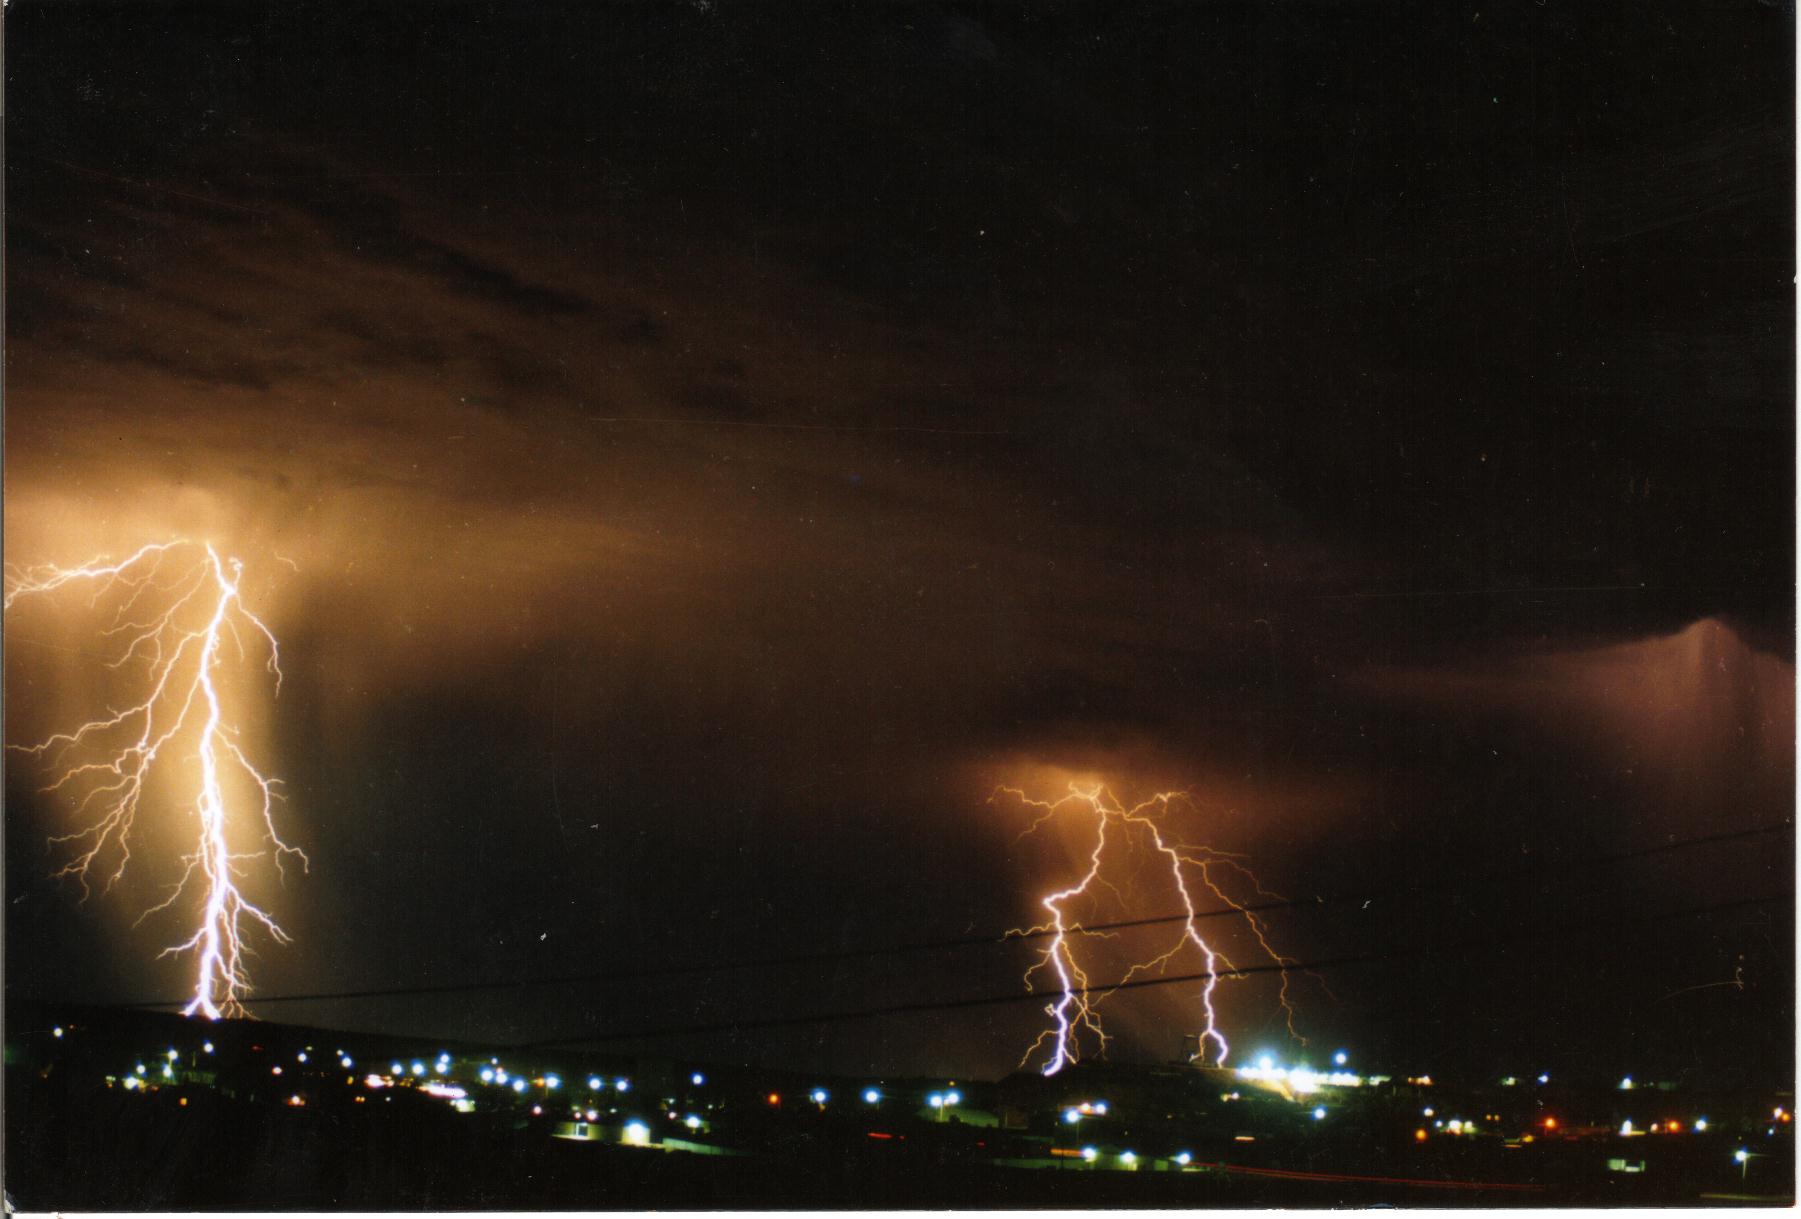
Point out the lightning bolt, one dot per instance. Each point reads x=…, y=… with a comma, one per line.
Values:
x=1122, y=831
x=179, y=623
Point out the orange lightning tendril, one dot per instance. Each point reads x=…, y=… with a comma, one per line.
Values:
x=1077, y=1004
x=178, y=604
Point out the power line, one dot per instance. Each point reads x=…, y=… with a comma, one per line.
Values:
x=648, y=973
x=936, y=1005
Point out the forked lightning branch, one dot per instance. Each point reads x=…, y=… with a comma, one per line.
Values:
x=177, y=632
x=1122, y=833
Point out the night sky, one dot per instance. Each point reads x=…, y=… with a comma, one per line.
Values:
x=692, y=455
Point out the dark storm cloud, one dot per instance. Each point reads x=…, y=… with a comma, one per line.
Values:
x=715, y=457
x=364, y=226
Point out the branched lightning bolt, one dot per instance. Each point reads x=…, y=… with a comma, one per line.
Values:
x=177, y=608
x=1124, y=830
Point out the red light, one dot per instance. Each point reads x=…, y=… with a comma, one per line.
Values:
x=1550, y=1123
x=775, y=1098
x=878, y=1134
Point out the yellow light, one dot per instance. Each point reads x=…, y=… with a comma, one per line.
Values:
x=1419, y=1136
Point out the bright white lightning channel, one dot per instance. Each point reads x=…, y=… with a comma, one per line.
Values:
x=179, y=612
x=1076, y=1008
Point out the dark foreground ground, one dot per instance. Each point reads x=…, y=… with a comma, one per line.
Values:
x=104, y=1149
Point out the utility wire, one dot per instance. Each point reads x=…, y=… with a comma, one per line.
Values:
x=826, y=956
x=938, y=1005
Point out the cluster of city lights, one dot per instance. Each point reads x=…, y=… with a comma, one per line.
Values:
x=1088, y=1108
x=436, y=1077
x=1301, y=1079
x=1127, y=1158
